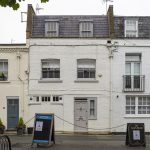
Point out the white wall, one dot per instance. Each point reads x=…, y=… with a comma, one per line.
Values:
x=14, y=87
x=68, y=51
x=118, y=104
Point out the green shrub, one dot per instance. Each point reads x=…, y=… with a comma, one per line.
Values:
x=1, y=123
x=20, y=122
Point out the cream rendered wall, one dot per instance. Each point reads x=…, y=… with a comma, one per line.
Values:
x=68, y=51
x=118, y=104
x=17, y=84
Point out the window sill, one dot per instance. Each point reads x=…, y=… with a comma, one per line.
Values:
x=92, y=118
x=34, y=103
x=5, y=81
x=50, y=81
x=86, y=80
x=138, y=116
x=56, y=103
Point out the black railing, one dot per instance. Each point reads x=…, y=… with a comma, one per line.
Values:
x=5, y=143
x=133, y=83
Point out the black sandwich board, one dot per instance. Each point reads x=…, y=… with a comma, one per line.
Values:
x=43, y=129
x=135, y=135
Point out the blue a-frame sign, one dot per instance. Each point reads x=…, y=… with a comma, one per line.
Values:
x=43, y=129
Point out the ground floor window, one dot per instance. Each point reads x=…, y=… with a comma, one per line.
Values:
x=92, y=102
x=137, y=104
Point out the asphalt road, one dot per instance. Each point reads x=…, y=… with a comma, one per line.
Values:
x=78, y=142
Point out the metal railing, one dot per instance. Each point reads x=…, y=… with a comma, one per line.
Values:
x=133, y=83
x=5, y=143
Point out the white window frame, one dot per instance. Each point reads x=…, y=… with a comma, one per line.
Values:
x=127, y=31
x=51, y=28
x=50, y=63
x=80, y=68
x=46, y=98
x=145, y=104
x=92, y=117
x=59, y=100
x=86, y=27
x=4, y=71
x=133, y=59
x=133, y=77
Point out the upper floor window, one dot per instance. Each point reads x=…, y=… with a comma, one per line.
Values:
x=51, y=68
x=133, y=64
x=3, y=69
x=133, y=80
x=131, y=28
x=86, y=29
x=86, y=68
x=51, y=28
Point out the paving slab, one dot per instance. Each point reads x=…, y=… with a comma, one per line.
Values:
x=78, y=142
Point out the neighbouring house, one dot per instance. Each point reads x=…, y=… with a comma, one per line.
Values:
x=13, y=83
x=131, y=72
x=92, y=72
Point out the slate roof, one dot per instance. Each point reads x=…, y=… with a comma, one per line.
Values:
x=69, y=25
x=143, y=26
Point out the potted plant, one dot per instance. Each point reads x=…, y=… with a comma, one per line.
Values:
x=30, y=130
x=2, y=76
x=2, y=127
x=21, y=127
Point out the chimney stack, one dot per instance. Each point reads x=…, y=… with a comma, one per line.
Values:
x=30, y=14
x=110, y=16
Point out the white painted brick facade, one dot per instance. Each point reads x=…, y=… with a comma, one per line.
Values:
x=68, y=51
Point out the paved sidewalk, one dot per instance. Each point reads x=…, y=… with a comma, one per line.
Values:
x=79, y=142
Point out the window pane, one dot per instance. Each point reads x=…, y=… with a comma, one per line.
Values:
x=148, y=101
x=136, y=68
x=144, y=105
x=128, y=68
x=86, y=73
x=80, y=73
x=128, y=81
x=91, y=103
x=92, y=73
x=57, y=73
x=132, y=101
x=1, y=66
x=136, y=81
x=92, y=112
x=92, y=107
x=130, y=105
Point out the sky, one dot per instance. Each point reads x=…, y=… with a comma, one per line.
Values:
x=12, y=30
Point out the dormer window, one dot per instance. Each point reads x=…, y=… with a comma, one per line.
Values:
x=131, y=28
x=86, y=28
x=51, y=28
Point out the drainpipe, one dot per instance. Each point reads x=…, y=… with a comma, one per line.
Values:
x=19, y=77
x=111, y=48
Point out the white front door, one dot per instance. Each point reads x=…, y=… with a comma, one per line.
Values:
x=81, y=115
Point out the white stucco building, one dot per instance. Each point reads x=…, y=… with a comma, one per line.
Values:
x=90, y=71
x=69, y=71
x=13, y=83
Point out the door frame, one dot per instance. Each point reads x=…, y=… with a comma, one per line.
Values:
x=85, y=99
x=11, y=98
